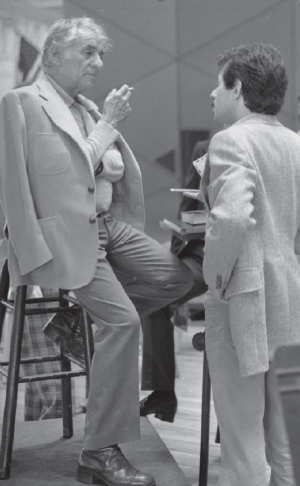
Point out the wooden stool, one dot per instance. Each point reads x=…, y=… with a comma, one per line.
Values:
x=11, y=368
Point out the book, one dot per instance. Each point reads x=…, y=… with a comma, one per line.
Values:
x=193, y=217
x=184, y=231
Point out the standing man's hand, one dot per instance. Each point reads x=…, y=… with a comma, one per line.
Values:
x=116, y=106
x=219, y=295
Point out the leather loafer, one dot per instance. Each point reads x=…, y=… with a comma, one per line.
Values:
x=110, y=468
x=65, y=326
x=162, y=404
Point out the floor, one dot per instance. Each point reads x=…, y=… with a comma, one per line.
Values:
x=182, y=437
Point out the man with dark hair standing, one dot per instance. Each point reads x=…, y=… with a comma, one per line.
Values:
x=251, y=185
x=72, y=195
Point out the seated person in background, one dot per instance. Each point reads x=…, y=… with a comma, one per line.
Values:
x=49, y=157
x=158, y=365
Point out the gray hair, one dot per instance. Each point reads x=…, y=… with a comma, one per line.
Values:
x=65, y=32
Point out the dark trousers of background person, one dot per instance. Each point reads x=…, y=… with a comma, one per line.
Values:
x=158, y=362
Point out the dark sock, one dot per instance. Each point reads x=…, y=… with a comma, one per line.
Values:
x=163, y=393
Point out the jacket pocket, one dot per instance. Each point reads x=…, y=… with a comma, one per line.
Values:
x=243, y=281
x=49, y=229
x=51, y=154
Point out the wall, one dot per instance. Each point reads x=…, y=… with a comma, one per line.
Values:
x=207, y=27
x=167, y=50
x=17, y=18
x=143, y=55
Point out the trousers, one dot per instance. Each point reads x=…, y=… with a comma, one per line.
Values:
x=254, y=446
x=158, y=364
x=156, y=278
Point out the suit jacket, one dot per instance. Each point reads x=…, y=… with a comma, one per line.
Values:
x=251, y=184
x=47, y=189
x=188, y=203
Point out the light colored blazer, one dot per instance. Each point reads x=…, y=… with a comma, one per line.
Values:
x=47, y=189
x=251, y=185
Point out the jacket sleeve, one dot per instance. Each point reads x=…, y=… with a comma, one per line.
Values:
x=24, y=230
x=113, y=165
x=231, y=190
x=101, y=138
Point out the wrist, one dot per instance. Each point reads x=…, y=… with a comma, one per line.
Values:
x=111, y=122
x=99, y=169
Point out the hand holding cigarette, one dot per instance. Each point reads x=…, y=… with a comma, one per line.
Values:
x=116, y=105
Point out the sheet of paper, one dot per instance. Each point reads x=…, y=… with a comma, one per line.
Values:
x=199, y=164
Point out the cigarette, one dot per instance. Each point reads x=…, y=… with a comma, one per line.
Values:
x=184, y=190
x=130, y=89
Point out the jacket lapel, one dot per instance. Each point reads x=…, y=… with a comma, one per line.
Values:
x=60, y=114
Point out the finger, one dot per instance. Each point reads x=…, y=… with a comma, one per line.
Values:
x=124, y=89
x=111, y=94
x=127, y=110
x=126, y=96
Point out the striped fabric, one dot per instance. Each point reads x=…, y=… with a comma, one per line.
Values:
x=42, y=398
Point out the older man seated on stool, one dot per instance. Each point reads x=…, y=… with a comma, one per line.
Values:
x=158, y=364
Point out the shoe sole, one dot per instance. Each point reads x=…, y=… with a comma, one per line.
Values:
x=163, y=415
x=86, y=477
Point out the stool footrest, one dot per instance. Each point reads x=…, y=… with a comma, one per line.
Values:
x=3, y=371
x=51, y=376
x=36, y=310
x=36, y=359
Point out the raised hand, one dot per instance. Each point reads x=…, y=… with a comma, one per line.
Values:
x=116, y=106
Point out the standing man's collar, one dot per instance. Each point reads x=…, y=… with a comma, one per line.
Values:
x=254, y=117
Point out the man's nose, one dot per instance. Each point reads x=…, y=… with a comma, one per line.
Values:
x=212, y=95
x=97, y=61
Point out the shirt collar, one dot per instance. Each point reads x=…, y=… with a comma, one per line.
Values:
x=62, y=93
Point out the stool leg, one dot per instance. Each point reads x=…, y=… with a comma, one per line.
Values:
x=205, y=415
x=88, y=341
x=9, y=416
x=66, y=390
x=4, y=287
x=66, y=386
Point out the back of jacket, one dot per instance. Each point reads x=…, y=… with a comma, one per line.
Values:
x=252, y=188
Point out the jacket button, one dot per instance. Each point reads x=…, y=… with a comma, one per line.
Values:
x=92, y=219
x=91, y=189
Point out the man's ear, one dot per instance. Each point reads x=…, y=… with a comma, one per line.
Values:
x=55, y=55
x=237, y=90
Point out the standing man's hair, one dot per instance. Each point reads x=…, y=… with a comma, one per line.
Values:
x=261, y=70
